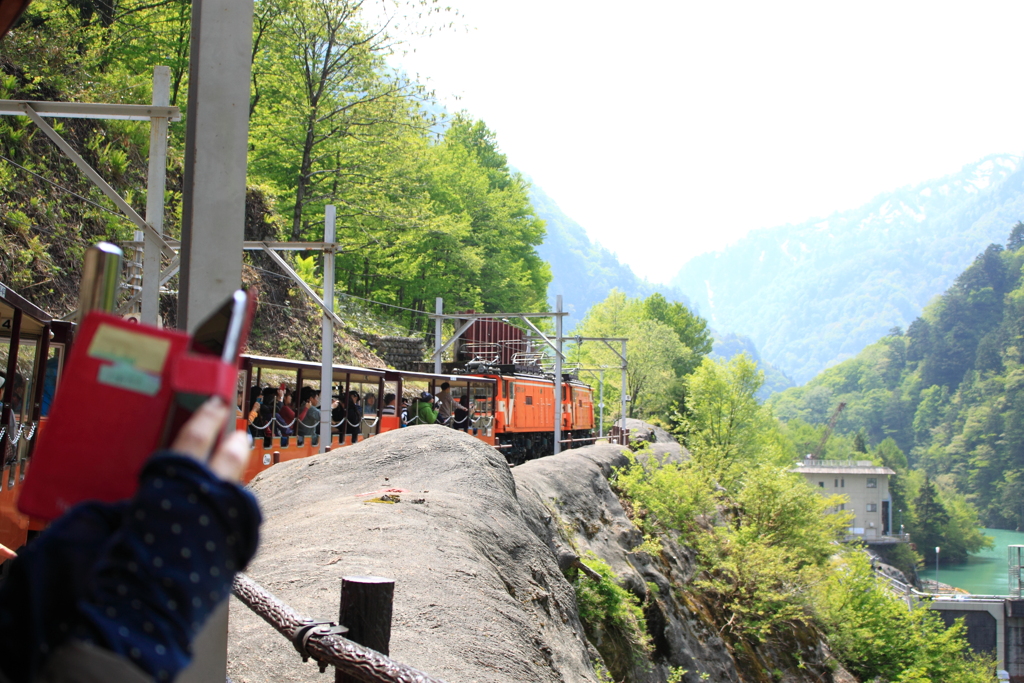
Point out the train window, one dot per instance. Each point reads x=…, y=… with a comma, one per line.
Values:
x=529, y=400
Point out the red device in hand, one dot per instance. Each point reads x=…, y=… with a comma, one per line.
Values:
x=125, y=390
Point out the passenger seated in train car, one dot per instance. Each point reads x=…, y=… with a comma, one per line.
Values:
x=370, y=404
x=463, y=415
x=404, y=419
x=389, y=405
x=49, y=384
x=353, y=417
x=308, y=417
x=18, y=396
x=445, y=404
x=266, y=418
x=424, y=409
x=11, y=426
x=88, y=601
x=254, y=412
x=285, y=418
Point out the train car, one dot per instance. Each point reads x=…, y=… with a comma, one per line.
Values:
x=32, y=351
x=269, y=447
x=512, y=411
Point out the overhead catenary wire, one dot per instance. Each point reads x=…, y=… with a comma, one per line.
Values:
x=345, y=294
x=64, y=189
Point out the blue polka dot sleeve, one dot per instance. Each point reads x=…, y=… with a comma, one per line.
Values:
x=138, y=578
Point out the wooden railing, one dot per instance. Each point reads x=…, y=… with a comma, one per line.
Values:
x=323, y=642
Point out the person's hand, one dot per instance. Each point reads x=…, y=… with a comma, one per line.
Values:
x=198, y=435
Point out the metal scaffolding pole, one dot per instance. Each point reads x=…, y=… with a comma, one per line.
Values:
x=624, y=396
x=558, y=375
x=327, y=329
x=155, y=185
x=439, y=310
x=216, y=146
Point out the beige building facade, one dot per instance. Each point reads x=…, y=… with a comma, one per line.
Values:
x=866, y=487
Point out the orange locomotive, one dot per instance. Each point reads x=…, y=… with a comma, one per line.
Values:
x=525, y=410
x=524, y=424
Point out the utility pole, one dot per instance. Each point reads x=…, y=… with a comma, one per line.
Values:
x=625, y=397
x=558, y=375
x=327, y=329
x=216, y=148
x=438, y=330
x=213, y=212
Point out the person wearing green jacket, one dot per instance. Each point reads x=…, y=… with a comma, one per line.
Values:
x=425, y=411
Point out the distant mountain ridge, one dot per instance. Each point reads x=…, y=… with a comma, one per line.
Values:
x=814, y=294
x=583, y=271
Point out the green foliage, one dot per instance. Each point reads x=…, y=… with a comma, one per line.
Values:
x=758, y=564
x=766, y=544
x=425, y=207
x=609, y=612
x=659, y=352
x=875, y=635
x=725, y=427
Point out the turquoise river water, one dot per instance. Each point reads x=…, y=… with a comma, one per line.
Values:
x=983, y=574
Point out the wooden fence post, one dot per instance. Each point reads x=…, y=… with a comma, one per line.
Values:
x=366, y=611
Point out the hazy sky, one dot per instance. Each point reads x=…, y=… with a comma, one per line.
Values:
x=671, y=128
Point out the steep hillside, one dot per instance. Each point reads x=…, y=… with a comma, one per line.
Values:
x=813, y=294
x=584, y=272
x=947, y=391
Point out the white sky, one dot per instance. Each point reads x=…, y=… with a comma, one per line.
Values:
x=671, y=128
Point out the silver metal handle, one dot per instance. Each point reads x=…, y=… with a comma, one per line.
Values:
x=101, y=279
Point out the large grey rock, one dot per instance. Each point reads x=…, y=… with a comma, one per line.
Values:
x=478, y=596
x=568, y=502
x=663, y=445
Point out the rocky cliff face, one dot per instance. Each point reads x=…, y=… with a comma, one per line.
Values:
x=478, y=554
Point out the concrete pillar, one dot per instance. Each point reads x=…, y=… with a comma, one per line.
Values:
x=216, y=146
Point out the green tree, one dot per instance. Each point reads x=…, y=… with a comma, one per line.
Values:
x=692, y=329
x=878, y=638
x=727, y=429
x=652, y=352
x=930, y=519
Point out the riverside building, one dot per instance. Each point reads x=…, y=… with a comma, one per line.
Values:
x=866, y=487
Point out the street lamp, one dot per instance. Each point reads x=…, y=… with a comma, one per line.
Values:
x=936, y=568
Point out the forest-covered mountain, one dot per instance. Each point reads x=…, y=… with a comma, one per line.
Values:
x=949, y=391
x=814, y=294
x=583, y=271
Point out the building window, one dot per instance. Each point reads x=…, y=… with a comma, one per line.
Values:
x=836, y=484
x=872, y=483
x=821, y=484
x=872, y=507
x=842, y=506
x=842, y=483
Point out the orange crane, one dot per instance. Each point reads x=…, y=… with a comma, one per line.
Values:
x=828, y=430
